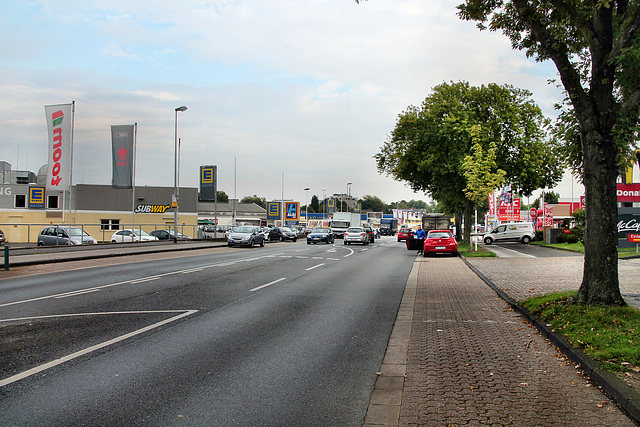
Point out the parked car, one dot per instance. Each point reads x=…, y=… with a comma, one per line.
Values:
x=246, y=235
x=440, y=241
x=2, y=238
x=318, y=235
x=405, y=233
x=369, y=230
x=282, y=234
x=61, y=235
x=519, y=231
x=167, y=234
x=131, y=236
x=356, y=235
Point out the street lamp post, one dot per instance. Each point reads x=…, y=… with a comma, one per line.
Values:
x=348, y=195
x=175, y=178
x=306, y=207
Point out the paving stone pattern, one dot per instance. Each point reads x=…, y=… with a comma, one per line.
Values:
x=473, y=361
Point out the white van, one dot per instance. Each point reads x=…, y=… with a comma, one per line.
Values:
x=520, y=231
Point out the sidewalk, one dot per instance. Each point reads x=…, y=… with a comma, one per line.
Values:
x=472, y=360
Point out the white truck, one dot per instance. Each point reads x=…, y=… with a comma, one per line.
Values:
x=343, y=220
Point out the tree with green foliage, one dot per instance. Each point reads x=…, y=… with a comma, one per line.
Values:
x=595, y=48
x=315, y=204
x=222, y=197
x=428, y=145
x=372, y=204
x=260, y=201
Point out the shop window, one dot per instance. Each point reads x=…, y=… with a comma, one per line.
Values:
x=20, y=201
x=109, y=224
x=52, y=202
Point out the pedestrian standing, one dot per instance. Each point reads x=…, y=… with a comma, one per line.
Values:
x=420, y=235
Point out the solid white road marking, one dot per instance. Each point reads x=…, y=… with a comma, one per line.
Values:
x=91, y=349
x=315, y=266
x=268, y=284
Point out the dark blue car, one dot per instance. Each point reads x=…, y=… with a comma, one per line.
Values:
x=320, y=235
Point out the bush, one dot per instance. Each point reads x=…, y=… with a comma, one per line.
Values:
x=578, y=230
x=572, y=238
x=561, y=238
x=539, y=235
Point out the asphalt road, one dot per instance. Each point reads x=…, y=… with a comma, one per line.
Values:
x=290, y=334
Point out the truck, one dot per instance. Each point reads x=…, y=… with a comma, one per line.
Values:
x=343, y=220
x=436, y=221
x=388, y=226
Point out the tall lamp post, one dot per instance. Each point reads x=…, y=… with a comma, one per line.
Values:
x=306, y=207
x=175, y=178
x=348, y=194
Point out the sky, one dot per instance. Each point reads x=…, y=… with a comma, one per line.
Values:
x=282, y=95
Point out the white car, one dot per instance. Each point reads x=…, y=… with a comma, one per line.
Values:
x=520, y=231
x=131, y=236
x=356, y=235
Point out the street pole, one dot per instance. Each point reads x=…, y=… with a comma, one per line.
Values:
x=175, y=177
x=306, y=207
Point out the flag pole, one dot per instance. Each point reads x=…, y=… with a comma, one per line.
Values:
x=133, y=177
x=73, y=115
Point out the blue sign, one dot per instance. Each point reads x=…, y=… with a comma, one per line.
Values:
x=273, y=210
x=36, y=197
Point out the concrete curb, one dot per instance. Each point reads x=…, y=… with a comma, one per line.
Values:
x=626, y=397
x=386, y=399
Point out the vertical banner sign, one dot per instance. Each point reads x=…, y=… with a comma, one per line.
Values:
x=292, y=211
x=208, y=175
x=122, y=155
x=548, y=215
x=273, y=210
x=492, y=204
x=59, y=127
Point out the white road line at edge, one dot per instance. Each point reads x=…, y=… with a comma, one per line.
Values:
x=268, y=284
x=315, y=266
x=91, y=349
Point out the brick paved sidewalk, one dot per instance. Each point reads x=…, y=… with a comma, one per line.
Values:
x=473, y=361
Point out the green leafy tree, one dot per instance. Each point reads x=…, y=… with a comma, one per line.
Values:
x=372, y=204
x=315, y=204
x=480, y=169
x=428, y=145
x=260, y=201
x=595, y=48
x=222, y=197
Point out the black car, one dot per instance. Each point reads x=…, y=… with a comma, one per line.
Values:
x=369, y=229
x=282, y=234
x=167, y=234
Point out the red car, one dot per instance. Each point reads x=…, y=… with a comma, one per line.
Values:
x=440, y=241
x=404, y=234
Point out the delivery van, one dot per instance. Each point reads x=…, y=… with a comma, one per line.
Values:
x=518, y=231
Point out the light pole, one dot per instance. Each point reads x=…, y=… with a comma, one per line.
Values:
x=324, y=204
x=175, y=178
x=348, y=194
x=306, y=207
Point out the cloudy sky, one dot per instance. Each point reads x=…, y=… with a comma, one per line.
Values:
x=305, y=89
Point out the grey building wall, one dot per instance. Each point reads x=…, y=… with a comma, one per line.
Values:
x=107, y=198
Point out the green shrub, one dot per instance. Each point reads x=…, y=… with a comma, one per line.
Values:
x=561, y=238
x=539, y=235
x=572, y=238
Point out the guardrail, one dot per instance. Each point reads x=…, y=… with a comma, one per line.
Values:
x=28, y=233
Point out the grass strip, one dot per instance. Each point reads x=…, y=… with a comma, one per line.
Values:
x=468, y=251
x=610, y=335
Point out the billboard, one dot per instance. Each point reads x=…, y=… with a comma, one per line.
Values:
x=273, y=210
x=292, y=211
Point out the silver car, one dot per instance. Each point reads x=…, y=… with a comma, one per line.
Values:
x=246, y=235
x=356, y=235
x=60, y=235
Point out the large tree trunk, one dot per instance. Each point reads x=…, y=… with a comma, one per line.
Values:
x=600, y=283
x=468, y=221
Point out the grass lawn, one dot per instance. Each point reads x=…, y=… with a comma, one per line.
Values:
x=610, y=335
x=469, y=251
